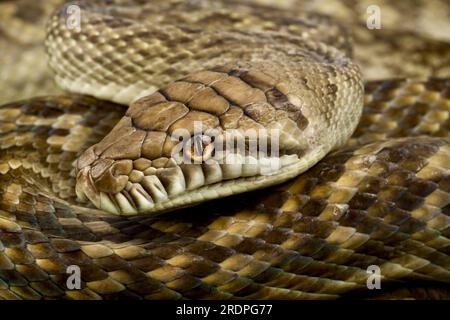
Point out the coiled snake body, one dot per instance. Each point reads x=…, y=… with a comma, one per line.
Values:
x=68, y=162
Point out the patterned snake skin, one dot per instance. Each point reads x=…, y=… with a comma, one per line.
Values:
x=382, y=200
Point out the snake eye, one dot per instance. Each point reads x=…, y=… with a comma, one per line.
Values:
x=199, y=148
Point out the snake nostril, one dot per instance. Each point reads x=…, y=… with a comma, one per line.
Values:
x=107, y=175
x=99, y=167
x=122, y=167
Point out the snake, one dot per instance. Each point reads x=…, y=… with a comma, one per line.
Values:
x=348, y=173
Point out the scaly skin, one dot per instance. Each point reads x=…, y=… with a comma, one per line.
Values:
x=382, y=203
x=385, y=203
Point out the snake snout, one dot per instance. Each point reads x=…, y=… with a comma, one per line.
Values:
x=101, y=179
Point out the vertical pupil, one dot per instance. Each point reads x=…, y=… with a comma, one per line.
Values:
x=198, y=146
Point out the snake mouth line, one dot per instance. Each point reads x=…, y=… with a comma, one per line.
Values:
x=129, y=187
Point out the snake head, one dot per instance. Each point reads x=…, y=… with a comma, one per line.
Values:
x=211, y=134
